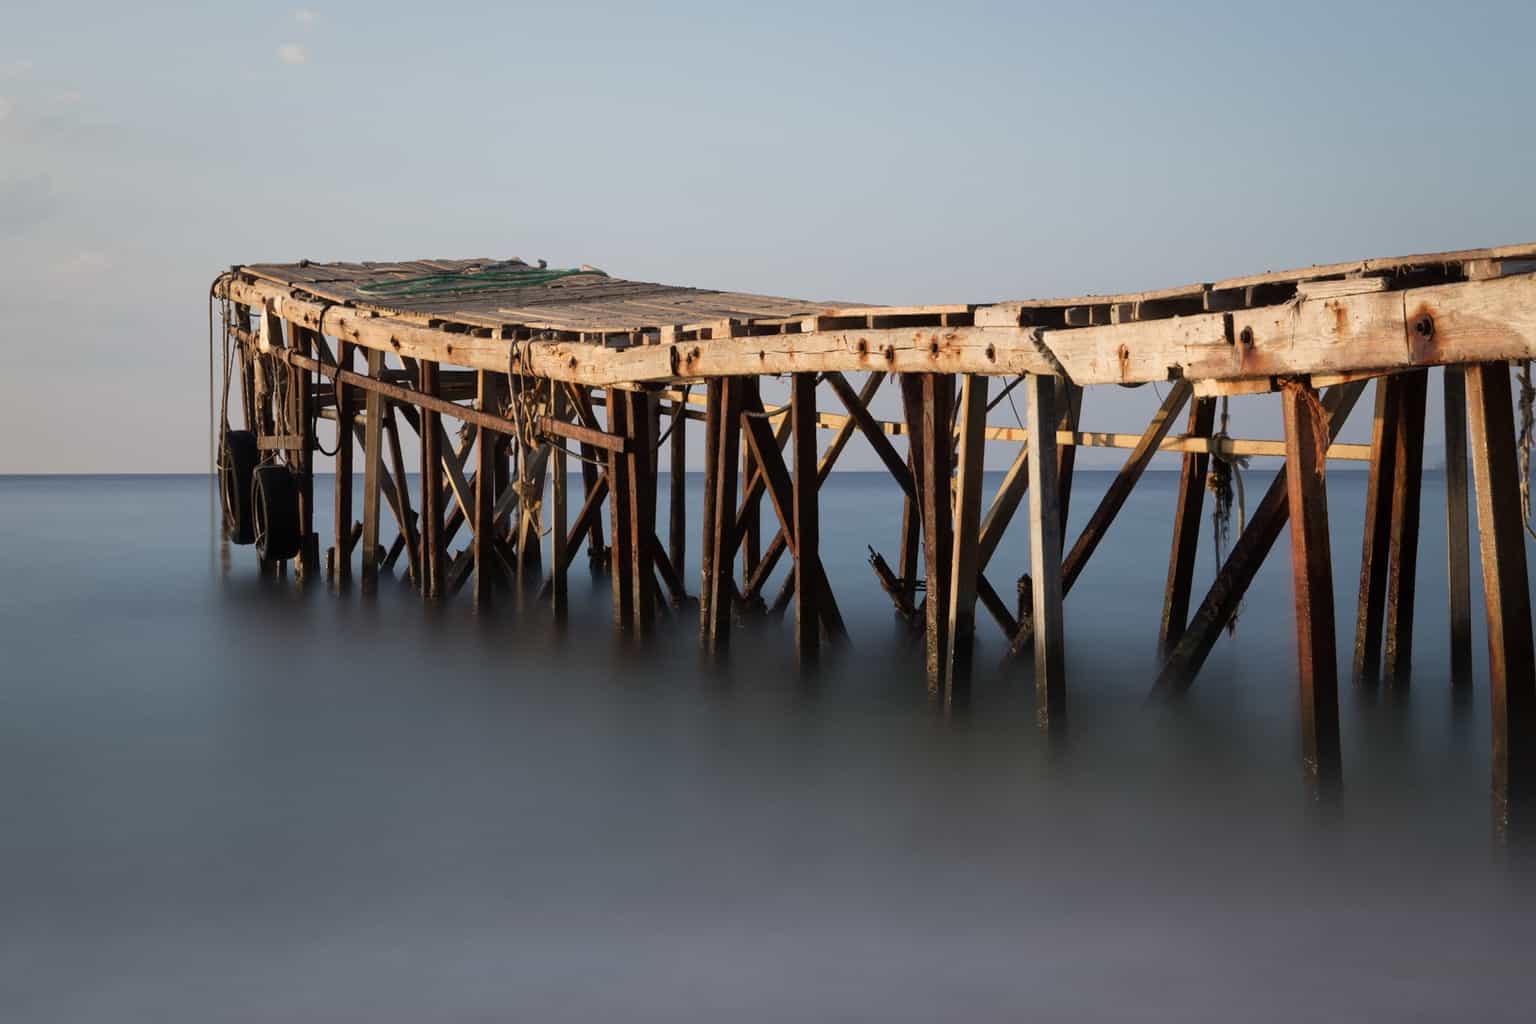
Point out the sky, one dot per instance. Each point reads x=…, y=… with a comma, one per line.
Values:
x=871, y=153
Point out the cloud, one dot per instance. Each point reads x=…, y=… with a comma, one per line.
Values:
x=292, y=53
x=13, y=70
x=6, y=107
x=85, y=261
x=304, y=16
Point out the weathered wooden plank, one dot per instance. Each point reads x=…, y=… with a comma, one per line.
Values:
x=1376, y=541
x=965, y=556
x=1467, y=322
x=1407, y=475
x=1187, y=522
x=1306, y=435
x=1045, y=551
x=1506, y=585
x=1243, y=561
x=1458, y=566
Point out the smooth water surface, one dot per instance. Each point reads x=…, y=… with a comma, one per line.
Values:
x=224, y=800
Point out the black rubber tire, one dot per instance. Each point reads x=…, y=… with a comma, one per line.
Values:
x=275, y=513
x=237, y=462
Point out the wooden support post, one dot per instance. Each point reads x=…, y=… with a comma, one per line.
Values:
x=966, y=562
x=677, y=482
x=642, y=506
x=909, y=542
x=405, y=518
x=750, y=522
x=1069, y=407
x=807, y=532
x=1406, y=481
x=301, y=383
x=597, y=551
x=714, y=392
x=1506, y=587
x=373, y=466
x=1376, y=543
x=622, y=563
x=1306, y=442
x=720, y=514
x=1242, y=564
x=593, y=480
x=1045, y=535
x=929, y=400
x=248, y=410
x=487, y=447
x=432, y=559
x=559, y=527
x=1458, y=559
x=1187, y=523
x=342, y=505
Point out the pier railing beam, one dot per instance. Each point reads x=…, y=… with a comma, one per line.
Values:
x=1506, y=586
x=1306, y=440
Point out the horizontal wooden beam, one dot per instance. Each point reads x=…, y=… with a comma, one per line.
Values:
x=1224, y=446
x=1312, y=333
x=463, y=413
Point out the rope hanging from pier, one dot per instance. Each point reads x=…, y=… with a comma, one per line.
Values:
x=492, y=277
x=1224, y=480
x=1527, y=436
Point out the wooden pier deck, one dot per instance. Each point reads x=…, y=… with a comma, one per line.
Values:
x=544, y=366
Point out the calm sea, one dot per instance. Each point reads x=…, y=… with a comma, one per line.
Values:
x=223, y=800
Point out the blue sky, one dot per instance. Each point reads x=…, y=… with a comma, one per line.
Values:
x=874, y=153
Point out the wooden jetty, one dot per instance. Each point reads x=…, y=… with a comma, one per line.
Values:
x=541, y=366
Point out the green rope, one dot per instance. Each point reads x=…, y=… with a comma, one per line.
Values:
x=489, y=279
